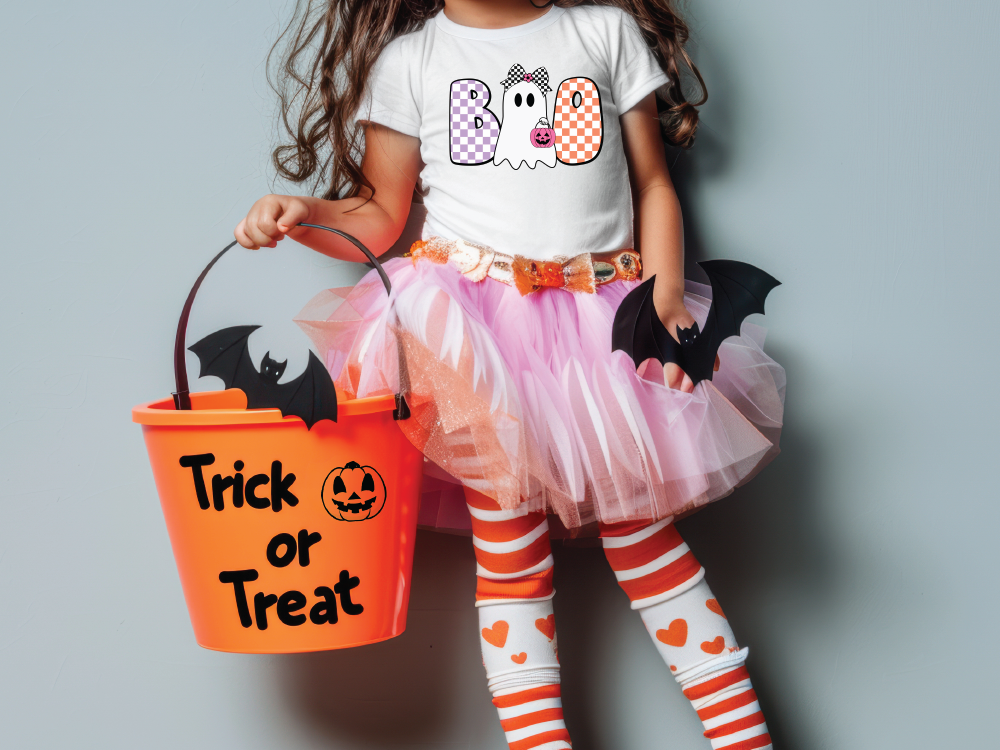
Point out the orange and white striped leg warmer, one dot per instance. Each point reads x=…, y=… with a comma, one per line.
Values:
x=727, y=705
x=666, y=584
x=517, y=627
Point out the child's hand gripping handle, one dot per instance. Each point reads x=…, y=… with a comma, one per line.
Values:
x=182, y=397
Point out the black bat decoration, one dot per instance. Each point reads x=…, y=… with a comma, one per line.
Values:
x=738, y=289
x=226, y=355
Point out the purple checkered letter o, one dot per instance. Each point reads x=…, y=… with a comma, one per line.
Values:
x=474, y=129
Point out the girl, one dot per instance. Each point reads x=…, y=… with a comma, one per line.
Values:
x=536, y=136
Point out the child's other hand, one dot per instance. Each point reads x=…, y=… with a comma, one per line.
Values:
x=270, y=219
x=676, y=316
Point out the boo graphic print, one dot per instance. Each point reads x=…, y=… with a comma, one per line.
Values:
x=523, y=134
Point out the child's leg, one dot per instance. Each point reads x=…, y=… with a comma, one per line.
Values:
x=517, y=627
x=667, y=585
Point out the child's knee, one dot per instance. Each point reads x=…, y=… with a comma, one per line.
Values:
x=652, y=563
x=513, y=553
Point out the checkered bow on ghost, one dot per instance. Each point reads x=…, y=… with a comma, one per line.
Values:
x=517, y=73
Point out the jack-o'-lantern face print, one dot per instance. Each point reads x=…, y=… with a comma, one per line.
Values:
x=353, y=492
x=542, y=135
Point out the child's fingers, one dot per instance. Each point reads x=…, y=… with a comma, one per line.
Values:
x=266, y=223
x=673, y=375
x=241, y=236
x=292, y=215
x=676, y=378
x=261, y=226
x=260, y=237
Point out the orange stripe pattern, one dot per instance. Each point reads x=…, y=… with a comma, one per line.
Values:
x=716, y=684
x=479, y=501
x=508, y=531
x=650, y=565
x=527, y=696
x=730, y=711
x=517, y=559
x=526, y=720
x=669, y=577
x=625, y=528
x=542, y=739
x=533, y=717
x=644, y=551
x=514, y=554
x=534, y=586
x=728, y=705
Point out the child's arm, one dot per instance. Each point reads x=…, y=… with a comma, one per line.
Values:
x=392, y=164
x=659, y=228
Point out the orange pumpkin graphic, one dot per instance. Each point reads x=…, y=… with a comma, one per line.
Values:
x=353, y=492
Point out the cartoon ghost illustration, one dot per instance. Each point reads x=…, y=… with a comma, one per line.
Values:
x=524, y=133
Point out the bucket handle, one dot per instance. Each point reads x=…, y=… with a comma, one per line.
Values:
x=182, y=397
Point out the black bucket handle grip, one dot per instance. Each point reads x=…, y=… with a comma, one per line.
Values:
x=182, y=397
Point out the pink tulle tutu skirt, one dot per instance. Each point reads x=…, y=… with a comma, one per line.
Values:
x=522, y=398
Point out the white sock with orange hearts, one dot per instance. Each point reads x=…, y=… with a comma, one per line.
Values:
x=518, y=640
x=689, y=628
x=522, y=670
x=695, y=640
x=517, y=626
x=666, y=584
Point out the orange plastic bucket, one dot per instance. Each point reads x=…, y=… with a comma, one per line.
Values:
x=286, y=539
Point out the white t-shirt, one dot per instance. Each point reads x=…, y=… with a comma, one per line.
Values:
x=519, y=130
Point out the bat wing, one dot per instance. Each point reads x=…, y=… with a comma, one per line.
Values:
x=311, y=396
x=638, y=330
x=226, y=355
x=738, y=290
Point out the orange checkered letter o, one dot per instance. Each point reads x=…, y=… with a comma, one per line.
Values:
x=578, y=122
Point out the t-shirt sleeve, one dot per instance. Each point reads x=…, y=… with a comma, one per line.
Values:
x=392, y=96
x=635, y=70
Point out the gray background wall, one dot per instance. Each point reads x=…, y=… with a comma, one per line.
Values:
x=850, y=147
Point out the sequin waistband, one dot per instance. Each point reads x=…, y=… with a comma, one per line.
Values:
x=581, y=273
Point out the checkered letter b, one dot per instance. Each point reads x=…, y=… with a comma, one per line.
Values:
x=578, y=121
x=474, y=128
